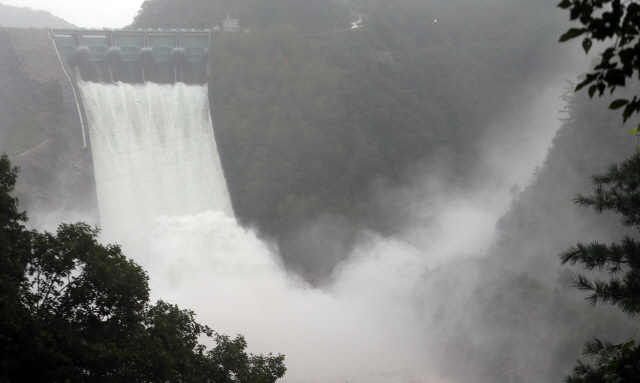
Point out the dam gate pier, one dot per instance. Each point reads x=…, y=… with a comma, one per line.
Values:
x=135, y=56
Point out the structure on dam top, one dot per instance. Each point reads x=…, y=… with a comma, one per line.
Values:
x=162, y=56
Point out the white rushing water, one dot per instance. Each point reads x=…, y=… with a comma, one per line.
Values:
x=154, y=154
x=162, y=194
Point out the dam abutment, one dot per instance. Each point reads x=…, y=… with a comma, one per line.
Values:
x=41, y=130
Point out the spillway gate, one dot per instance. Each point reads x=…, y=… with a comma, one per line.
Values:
x=132, y=45
x=134, y=55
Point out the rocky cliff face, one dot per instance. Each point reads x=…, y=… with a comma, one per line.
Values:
x=41, y=132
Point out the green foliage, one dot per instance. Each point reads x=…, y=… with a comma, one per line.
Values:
x=233, y=361
x=305, y=123
x=615, y=363
x=72, y=309
x=618, y=191
x=608, y=20
x=541, y=223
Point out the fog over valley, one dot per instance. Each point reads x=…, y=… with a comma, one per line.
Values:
x=379, y=191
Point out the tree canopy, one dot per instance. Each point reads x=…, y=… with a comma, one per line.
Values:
x=307, y=15
x=617, y=22
x=72, y=309
x=307, y=123
x=619, y=191
x=609, y=20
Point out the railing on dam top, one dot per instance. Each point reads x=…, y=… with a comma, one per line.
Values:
x=133, y=45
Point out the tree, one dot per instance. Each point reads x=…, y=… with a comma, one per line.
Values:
x=619, y=191
x=72, y=309
x=604, y=20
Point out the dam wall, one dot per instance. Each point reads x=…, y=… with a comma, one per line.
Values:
x=41, y=131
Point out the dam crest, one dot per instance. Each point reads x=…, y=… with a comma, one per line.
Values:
x=135, y=55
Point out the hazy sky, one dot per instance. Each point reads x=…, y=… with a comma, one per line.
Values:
x=86, y=13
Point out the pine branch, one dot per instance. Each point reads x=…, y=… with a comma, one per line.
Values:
x=623, y=292
x=618, y=190
x=614, y=257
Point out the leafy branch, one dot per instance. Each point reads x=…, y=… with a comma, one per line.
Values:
x=606, y=20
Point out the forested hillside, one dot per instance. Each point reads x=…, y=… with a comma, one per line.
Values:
x=518, y=293
x=307, y=16
x=18, y=17
x=543, y=221
x=308, y=111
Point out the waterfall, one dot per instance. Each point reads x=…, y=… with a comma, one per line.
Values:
x=377, y=319
x=154, y=154
x=162, y=195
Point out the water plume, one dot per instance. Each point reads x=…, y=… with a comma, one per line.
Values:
x=154, y=153
x=378, y=318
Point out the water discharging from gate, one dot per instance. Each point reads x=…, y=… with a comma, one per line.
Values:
x=154, y=154
x=162, y=194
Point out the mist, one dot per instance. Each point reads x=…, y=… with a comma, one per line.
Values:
x=378, y=317
x=434, y=296
x=365, y=324
x=85, y=13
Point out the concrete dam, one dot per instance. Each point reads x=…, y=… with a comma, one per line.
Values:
x=135, y=56
x=136, y=122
